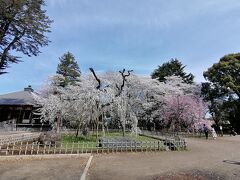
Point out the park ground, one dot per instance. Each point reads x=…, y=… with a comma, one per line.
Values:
x=204, y=159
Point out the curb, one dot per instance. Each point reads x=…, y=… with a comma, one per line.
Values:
x=50, y=156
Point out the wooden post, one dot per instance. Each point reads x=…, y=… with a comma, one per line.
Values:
x=60, y=150
x=107, y=146
x=7, y=149
x=13, y=148
x=116, y=147
x=72, y=147
x=112, y=147
x=78, y=147
x=82, y=146
x=26, y=148
x=20, y=148
x=54, y=150
x=44, y=149
x=131, y=145
x=97, y=147
x=102, y=147
x=121, y=146
x=66, y=148
x=32, y=149
x=38, y=144
x=49, y=146
x=92, y=147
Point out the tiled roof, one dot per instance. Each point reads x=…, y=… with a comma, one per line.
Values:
x=18, y=98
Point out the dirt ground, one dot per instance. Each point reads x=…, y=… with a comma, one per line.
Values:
x=44, y=169
x=205, y=159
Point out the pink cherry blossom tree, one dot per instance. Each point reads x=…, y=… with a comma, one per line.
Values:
x=181, y=112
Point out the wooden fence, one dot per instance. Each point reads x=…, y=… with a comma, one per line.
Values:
x=23, y=144
x=172, y=141
x=174, y=134
x=15, y=138
x=77, y=148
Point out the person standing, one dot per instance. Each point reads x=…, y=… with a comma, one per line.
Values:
x=221, y=130
x=205, y=129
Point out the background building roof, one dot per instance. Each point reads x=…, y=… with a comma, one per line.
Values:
x=25, y=97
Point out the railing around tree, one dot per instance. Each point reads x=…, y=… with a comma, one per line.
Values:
x=23, y=144
x=80, y=147
x=172, y=141
x=15, y=138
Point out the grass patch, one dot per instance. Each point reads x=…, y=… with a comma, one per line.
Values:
x=93, y=138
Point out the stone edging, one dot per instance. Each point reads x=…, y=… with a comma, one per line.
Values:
x=40, y=157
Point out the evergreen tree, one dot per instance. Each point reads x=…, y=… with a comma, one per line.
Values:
x=23, y=28
x=69, y=69
x=223, y=90
x=172, y=68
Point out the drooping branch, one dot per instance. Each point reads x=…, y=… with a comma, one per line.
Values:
x=97, y=79
x=4, y=57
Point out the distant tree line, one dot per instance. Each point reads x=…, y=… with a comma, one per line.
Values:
x=23, y=28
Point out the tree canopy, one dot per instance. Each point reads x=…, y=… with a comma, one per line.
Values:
x=23, y=25
x=225, y=75
x=172, y=68
x=123, y=100
x=223, y=89
x=69, y=69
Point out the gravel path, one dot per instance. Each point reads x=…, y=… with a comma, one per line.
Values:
x=205, y=159
x=43, y=169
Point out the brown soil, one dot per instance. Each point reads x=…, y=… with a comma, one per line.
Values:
x=44, y=169
x=195, y=175
x=204, y=159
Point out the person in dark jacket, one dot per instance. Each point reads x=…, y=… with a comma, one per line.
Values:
x=233, y=132
x=205, y=129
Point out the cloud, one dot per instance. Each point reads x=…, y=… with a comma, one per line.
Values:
x=138, y=13
x=134, y=34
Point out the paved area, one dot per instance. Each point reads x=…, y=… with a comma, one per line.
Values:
x=43, y=169
x=206, y=159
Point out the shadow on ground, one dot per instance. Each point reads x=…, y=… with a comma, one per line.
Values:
x=191, y=175
x=231, y=162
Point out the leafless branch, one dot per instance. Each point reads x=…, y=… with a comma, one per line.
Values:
x=97, y=79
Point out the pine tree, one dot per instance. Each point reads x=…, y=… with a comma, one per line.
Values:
x=172, y=68
x=69, y=69
x=23, y=28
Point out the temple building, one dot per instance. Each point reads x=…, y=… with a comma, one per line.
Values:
x=16, y=110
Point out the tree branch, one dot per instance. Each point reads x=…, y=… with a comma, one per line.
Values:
x=123, y=79
x=97, y=79
x=4, y=55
